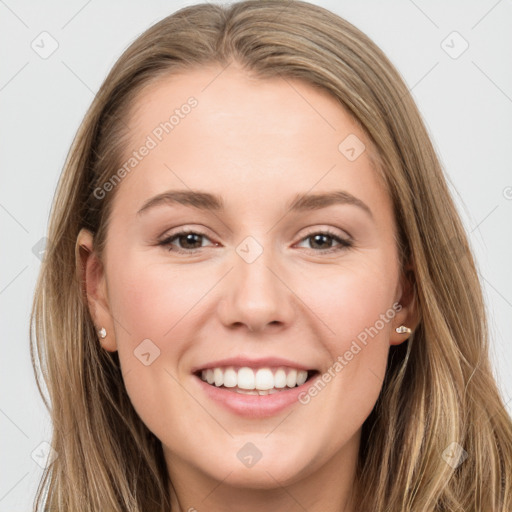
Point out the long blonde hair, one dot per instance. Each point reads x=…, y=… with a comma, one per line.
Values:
x=439, y=387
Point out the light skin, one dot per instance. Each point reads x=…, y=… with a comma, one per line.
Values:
x=257, y=144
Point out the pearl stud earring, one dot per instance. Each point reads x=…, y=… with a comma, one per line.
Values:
x=102, y=332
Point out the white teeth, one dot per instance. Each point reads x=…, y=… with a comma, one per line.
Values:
x=218, y=375
x=301, y=377
x=280, y=378
x=262, y=381
x=246, y=378
x=291, y=378
x=230, y=378
x=246, y=391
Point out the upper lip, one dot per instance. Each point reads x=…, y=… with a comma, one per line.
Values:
x=260, y=362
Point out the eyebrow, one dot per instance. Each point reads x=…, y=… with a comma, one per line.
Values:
x=213, y=202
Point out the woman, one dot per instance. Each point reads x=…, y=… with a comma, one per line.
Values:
x=258, y=293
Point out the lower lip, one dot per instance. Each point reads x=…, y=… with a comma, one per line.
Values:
x=254, y=406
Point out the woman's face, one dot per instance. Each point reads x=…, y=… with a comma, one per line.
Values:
x=290, y=266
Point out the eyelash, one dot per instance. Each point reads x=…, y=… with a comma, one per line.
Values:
x=343, y=243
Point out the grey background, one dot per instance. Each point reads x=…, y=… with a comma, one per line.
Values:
x=466, y=103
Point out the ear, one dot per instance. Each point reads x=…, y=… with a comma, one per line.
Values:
x=94, y=287
x=409, y=314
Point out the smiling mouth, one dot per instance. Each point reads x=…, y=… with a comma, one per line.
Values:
x=255, y=381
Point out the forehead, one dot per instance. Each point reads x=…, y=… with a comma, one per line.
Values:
x=213, y=127
x=230, y=98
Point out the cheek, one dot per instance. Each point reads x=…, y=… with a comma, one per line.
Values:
x=154, y=300
x=152, y=310
x=148, y=303
x=356, y=305
x=352, y=299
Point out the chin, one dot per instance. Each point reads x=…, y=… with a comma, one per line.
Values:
x=271, y=471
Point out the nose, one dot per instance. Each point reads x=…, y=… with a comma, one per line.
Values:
x=256, y=295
